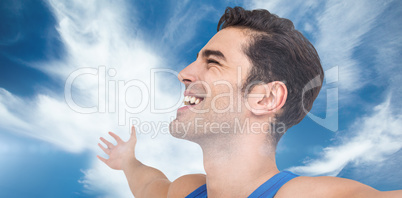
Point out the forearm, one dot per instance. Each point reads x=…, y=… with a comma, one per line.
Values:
x=140, y=177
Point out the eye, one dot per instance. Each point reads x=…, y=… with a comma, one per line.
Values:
x=213, y=61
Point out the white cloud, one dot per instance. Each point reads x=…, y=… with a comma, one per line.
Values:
x=100, y=179
x=98, y=33
x=340, y=27
x=370, y=140
x=282, y=8
x=183, y=24
x=10, y=120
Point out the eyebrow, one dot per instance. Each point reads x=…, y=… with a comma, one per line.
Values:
x=217, y=53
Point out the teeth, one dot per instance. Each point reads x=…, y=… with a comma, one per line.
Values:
x=191, y=100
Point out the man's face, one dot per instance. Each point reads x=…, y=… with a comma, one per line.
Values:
x=213, y=81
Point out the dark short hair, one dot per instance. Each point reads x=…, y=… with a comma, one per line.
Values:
x=278, y=52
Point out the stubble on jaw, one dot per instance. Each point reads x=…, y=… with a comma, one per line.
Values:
x=219, y=120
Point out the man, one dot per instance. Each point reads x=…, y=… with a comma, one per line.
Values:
x=252, y=81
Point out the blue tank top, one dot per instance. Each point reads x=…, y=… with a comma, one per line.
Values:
x=267, y=189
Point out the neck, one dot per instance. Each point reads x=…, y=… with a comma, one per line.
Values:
x=236, y=165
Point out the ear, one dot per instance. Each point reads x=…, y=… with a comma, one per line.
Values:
x=267, y=98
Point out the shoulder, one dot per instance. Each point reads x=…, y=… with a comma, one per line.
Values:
x=325, y=186
x=186, y=184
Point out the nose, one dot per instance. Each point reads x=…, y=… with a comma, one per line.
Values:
x=188, y=74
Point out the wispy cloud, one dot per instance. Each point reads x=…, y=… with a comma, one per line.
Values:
x=184, y=22
x=341, y=29
x=336, y=28
x=282, y=8
x=98, y=36
x=100, y=179
x=370, y=140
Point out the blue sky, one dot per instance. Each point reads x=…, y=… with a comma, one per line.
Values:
x=48, y=146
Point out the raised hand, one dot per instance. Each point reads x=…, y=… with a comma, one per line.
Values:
x=121, y=153
x=144, y=181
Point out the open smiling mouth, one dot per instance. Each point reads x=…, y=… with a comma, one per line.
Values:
x=192, y=100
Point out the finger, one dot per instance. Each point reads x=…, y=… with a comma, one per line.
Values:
x=102, y=159
x=107, y=151
x=133, y=133
x=132, y=130
x=108, y=144
x=116, y=137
